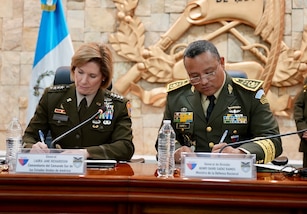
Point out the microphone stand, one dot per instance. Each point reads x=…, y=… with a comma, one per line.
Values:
x=262, y=138
x=74, y=128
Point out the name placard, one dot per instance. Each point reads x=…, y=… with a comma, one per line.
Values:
x=218, y=165
x=54, y=162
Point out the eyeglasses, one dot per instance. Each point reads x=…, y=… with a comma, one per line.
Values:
x=208, y=76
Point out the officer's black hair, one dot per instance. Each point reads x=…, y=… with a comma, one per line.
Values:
x=199, y=47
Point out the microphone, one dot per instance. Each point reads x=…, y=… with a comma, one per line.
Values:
x=100, y=111
x=261, y=138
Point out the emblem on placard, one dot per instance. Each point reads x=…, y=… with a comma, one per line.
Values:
x=245, y=166
x=191, y=165
x=77, y=161
x=23, y=161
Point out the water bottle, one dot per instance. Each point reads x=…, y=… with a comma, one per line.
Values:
x=166, y=150
x=13, y=143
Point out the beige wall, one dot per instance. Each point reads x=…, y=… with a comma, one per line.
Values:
x=94, y=20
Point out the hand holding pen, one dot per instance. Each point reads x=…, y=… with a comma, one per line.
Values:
x=40, y=147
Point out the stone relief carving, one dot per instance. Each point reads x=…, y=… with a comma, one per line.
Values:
x=277, y=65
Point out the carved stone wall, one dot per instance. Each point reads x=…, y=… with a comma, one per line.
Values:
x=148, y=36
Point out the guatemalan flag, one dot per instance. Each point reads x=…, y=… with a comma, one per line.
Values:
x=53, y=49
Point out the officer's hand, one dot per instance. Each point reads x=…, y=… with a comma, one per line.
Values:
x=304, y=135
x=39, y=147
x=178, y=153
x=217, y=147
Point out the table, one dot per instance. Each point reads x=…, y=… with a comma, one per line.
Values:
x=132, y=188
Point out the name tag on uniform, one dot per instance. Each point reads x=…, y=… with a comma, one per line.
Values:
x=60, y=117
x=182, y=125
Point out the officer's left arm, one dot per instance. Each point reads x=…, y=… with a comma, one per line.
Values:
x=262, y=123
x=121, y=147
x=299, y=111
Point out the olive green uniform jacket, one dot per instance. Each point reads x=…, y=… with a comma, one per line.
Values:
x=241, y=108
x=300, y=115
x=107, y=136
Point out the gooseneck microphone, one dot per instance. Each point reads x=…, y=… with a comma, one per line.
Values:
x=100, y=111
x=261, y=138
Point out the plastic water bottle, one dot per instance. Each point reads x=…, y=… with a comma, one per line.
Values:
x=13, y=143
x=166, y=150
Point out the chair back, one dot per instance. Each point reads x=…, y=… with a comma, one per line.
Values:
x=237, y=74
x=62, y=76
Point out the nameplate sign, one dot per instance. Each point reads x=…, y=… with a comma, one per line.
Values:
x=218, y=165
x=58, y=162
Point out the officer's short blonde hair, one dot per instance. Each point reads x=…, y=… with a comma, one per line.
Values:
x=98, y=53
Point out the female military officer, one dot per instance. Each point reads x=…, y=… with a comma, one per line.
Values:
x=106, y=136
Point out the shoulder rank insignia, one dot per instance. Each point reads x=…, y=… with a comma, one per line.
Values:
x=176, y=84
x=114, y=96
x=249, y=84
x=58, y=88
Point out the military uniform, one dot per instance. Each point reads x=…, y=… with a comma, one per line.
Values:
x=300, y=117
x=107, y=136
x=241, y=108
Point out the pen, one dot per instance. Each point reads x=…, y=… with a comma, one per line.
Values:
x=224, y=136
x=41, y=136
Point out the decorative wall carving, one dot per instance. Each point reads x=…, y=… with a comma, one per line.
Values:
x=275, y=63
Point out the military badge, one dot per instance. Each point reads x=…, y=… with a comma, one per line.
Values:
x=261, y=96
x=177, y=84
x=235, y=119
x=183, y=109
x=234, y=109
x=249, y=84
x=59, y=111
x=106, y=122
x=234, y=138
x=128, y=105
x=183, y=117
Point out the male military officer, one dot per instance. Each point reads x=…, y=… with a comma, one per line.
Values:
x=239, y=106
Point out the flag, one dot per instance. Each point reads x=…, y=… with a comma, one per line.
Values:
x=53, y=49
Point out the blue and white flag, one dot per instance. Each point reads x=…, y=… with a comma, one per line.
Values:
x=53, y=49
